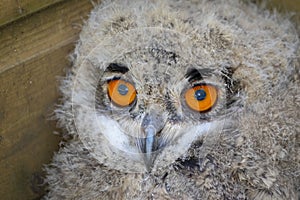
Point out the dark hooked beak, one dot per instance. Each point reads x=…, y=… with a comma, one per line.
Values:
x=151, y=126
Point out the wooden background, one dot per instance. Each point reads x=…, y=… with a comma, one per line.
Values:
x=36, y=38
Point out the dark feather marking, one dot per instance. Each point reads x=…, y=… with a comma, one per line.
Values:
x=194, y=74
x=116, y=67
x=232, y=86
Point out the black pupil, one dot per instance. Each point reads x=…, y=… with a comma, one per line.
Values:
x=200, y=94
x=122, y=89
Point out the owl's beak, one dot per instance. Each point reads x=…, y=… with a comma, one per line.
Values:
x=151, y=126
x=150, y=146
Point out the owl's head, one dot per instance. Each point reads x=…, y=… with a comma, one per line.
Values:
x=150, y=80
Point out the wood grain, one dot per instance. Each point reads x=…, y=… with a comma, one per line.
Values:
x=13, y=10
x=33, y=52
x=286, y=5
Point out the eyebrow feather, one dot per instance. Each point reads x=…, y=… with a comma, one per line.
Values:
x=193, y=74
x=117, y=68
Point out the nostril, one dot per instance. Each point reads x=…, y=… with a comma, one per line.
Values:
x=153, y=119
x=158, y=133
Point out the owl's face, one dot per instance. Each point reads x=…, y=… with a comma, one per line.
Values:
x=150, y=102
x=149, y=83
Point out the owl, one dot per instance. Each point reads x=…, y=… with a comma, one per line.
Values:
x=178, y=99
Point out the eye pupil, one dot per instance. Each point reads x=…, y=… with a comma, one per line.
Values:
x=200, y=94
x=122, y=93
x=202, y=97
x=123, y=89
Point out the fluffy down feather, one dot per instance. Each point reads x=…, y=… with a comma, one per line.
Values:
x=253, y=55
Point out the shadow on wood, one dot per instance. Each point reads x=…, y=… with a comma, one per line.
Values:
x=33, y=52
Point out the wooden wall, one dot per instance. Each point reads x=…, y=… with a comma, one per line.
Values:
x=36, y=38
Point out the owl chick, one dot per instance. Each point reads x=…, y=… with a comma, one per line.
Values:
x=180, y=100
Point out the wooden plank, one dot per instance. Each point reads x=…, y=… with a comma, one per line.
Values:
x=13, y=10
x=40, y=32
x=27, y=95
x=286, y=5
x=33, y=52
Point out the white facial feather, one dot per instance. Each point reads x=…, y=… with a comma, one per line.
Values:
x=115, y=135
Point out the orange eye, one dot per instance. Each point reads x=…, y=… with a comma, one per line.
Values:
x=121, y=92
x=201, y=97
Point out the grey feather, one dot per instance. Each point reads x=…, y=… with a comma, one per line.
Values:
x=245, y=147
